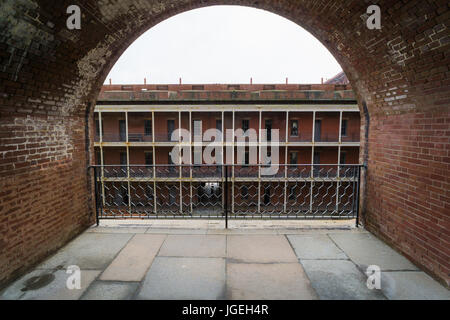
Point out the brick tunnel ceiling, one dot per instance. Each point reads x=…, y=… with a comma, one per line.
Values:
x=52, y=75
x=376, y=61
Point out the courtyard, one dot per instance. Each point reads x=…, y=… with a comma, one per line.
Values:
x=196, y=260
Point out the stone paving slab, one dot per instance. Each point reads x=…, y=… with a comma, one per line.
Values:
x=278, y=281
x=47, y=285
x=107, y=290
x=315, y=247
x=184, y=278
x=88, y=251
x=339, y=280
x=416, y=285
x=132, y=263
x=260, y=264
x=365, y=250
x=194, y=246
x=259, y=248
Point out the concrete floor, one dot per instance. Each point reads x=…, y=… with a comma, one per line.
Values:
x=174, y=259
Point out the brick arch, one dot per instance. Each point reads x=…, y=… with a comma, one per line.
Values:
x=50, y=77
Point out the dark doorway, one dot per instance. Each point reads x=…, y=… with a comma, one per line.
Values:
x=170, y=129
x=268, y=126
x=317, y=130
x=122, y=130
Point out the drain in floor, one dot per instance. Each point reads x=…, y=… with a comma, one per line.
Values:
x=38, y=282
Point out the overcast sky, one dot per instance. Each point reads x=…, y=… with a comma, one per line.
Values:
x=225, y=44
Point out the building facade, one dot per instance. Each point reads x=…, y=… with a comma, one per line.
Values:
x=316, y=129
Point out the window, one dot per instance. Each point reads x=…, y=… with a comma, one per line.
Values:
x=317, y=130
x=246, y=158
x=293, y=158
x=342, y=158
x=170, y=128
x=344, y=127
x=148, y=127
x=123, y=158
x=245, y=125
x=122, y=130
x=294, y=128
x=148, y=158
x=268, y=125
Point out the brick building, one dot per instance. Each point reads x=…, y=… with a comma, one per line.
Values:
x=136, y=125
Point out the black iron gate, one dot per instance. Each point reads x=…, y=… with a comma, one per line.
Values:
x=322, y=191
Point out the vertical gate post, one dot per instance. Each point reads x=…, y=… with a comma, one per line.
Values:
x=226, y=197
x=96, y=195
x=357, y=194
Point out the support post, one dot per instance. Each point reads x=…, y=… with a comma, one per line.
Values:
x=285, y=161
x=96, y=196
x=180, y=164
x=226, y=196
x=154, y=163
x=357, y=195
x=190, y=163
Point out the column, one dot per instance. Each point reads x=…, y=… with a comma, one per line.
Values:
x=154, y=162
x=285, y=161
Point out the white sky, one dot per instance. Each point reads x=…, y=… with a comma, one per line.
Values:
x=225, y=44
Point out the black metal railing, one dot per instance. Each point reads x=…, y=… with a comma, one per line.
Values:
x=322, y=191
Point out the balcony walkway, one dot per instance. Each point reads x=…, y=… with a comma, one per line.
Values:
x=172, y=259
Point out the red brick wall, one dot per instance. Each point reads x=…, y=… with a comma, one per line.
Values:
x=410, y=190
x=47, y=89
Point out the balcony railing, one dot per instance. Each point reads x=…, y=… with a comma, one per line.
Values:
x=114, y=137
x=165, y=137
x=216, y=191
x=139, y=137
x=327, y=137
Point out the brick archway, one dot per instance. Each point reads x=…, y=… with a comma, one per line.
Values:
x=50, y=77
